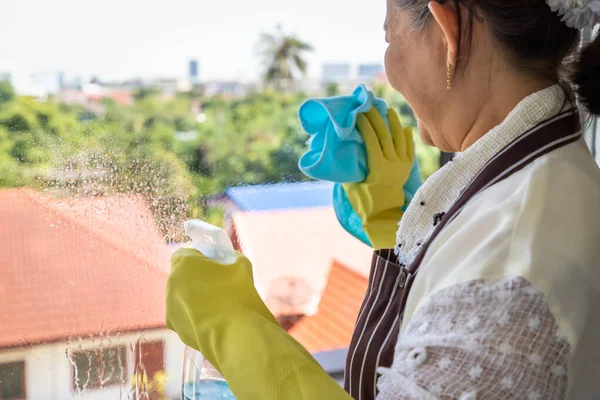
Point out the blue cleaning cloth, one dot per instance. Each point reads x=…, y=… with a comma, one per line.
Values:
x=337, y=152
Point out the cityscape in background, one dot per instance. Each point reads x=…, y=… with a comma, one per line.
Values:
x=72, y=88
x=107, y=170
x=121, y=120
x=101, y=169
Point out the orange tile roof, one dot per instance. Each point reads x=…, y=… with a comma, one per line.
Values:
x=299, y=246
x=82, y=267
x=332, y=326
x=91, y=266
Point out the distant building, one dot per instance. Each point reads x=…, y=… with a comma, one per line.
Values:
x=227, y=89
x=91, y=96
x=328, y=332
x=258, y=214
x=73, y=82
x=281, y=196
x=61, y=80
x=311, y=273
x=368, y=72
x=86, y=301
x=132, y=84
x=347, y=76
x=336, y=72
x=27, y=83
x=170, y=85
x=193, y=71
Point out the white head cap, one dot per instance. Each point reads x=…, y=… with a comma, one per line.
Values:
x=578, y=14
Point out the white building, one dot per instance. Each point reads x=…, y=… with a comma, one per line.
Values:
x=60, y=371
x=82, y=309
x=348, y=75
x=368, y=72
x=336, y=72
x=27, y=83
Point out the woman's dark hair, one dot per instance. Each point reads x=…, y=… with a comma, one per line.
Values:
x=534, y=36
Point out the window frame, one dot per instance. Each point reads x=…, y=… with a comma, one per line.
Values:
x=592, y=125
x=23, y=380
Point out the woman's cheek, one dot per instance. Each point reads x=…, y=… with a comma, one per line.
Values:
x=394, y=68
x=424, y=133
x=402, y=74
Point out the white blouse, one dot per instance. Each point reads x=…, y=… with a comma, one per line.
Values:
x=507, y=301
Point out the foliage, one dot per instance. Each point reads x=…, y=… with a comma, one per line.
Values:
x=10, y=173
x=6, y=92
x=332, y=89
x=282, y=58
x=158, y=148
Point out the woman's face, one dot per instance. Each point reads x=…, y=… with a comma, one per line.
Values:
x=407, y=68
x=416, y=66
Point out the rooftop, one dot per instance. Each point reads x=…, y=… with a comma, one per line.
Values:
x=281, y=196
x=293, y=251
x=332, y=326
x=78, y=267
x=96, y=266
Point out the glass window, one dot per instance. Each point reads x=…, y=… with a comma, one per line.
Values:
x=12, y=381
x=110, y=138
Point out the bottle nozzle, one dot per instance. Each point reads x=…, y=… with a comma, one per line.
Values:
x=211, y=241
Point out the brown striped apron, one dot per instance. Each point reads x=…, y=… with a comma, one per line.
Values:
x=380, y=317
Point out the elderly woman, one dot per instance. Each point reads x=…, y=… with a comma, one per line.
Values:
x=493, y=288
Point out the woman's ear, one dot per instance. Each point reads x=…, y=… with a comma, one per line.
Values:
x=447, y=19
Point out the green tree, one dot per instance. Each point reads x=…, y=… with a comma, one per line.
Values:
x=256, y=139
x=282, y=58
x=137, y=149
x=332, y=89
x=7, y=92
x=10, y=171
x=145, y=92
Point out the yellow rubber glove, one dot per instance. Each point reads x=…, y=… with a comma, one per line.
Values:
x=215, y=309
x=378, y=201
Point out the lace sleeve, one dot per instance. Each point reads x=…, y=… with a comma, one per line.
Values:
x=480, y=340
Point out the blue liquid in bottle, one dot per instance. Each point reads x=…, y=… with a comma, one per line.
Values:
x=202, y=381
x=207, y=389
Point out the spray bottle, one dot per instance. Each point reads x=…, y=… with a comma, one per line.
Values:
x=202, y=381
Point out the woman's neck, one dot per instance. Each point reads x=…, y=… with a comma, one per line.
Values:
x=507, y=93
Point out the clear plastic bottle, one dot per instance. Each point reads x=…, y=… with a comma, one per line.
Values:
x=202, y=381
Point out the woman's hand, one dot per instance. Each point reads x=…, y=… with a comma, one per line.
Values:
x=201, y=291
x=215, y=309
x=378, y=200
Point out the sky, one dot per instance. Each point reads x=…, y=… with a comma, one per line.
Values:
x=119, y=39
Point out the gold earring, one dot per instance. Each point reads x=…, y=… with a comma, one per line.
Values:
x=449, y=76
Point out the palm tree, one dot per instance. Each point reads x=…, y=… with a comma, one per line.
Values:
x=282, y=58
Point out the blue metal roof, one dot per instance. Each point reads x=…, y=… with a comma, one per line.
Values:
x=282, y=196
